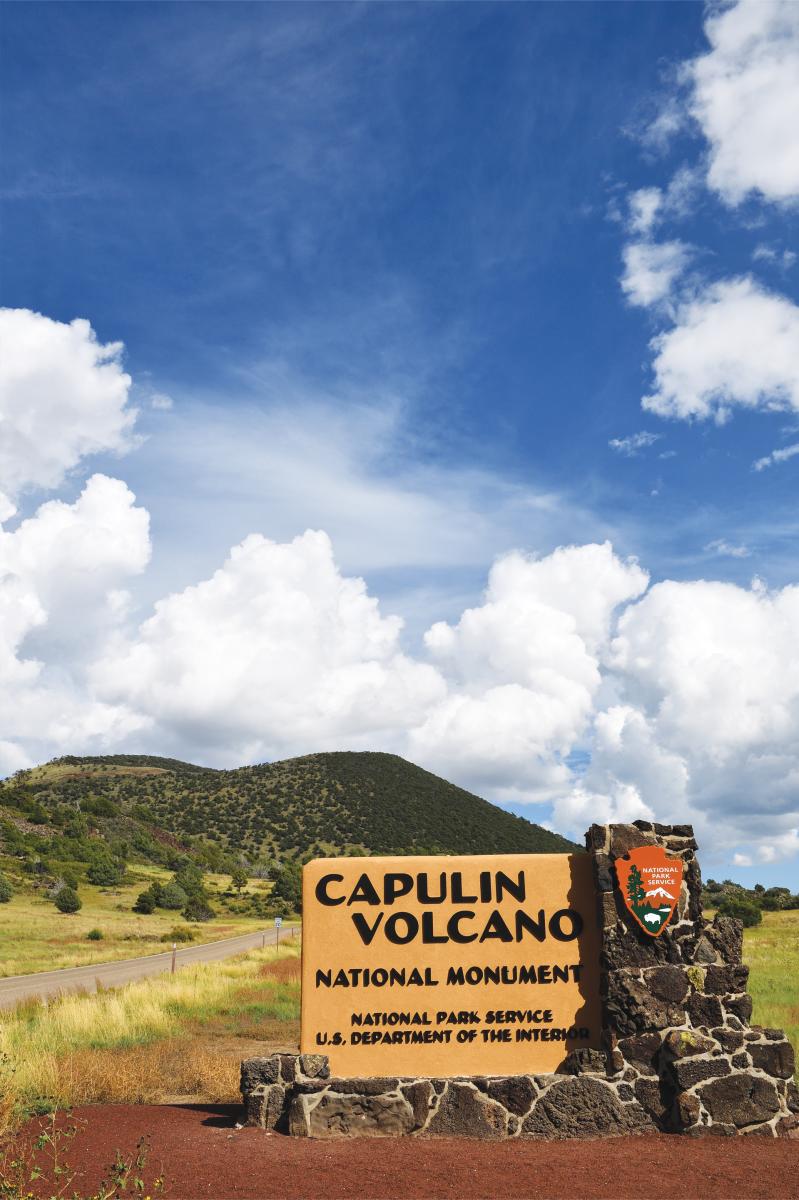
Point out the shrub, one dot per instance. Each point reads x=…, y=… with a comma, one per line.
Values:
x=105, y=872
x=70, y=880
x=6, y=890
x=172, y=896
x=190, y=878
x=68, y=900
x=745, y=910
x=95, y=935
x=99, y=806
x=181, y=933
x=198, y=909
x=145, y=902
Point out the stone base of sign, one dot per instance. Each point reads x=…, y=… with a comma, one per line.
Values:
x=287, y=1094
x=678, y=1054
x=294, y=1094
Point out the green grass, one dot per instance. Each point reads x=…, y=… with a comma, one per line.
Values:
x=34, y=936
x=771, y=951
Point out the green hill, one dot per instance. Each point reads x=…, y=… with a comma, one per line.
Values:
x=299, y=807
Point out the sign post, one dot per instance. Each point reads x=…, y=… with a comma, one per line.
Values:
x=278, y=923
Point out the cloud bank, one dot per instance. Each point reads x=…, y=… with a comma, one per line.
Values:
x=572, y=683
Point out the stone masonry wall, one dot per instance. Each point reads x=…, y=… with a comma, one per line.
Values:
x=678, y=1054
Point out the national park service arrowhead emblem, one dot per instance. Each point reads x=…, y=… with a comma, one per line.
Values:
x=650, y=886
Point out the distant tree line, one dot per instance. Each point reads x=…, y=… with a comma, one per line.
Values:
x=747, y=904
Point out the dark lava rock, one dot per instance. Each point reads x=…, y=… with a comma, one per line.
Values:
x=692, y=1070
x=642, y=1050
x=516, y=1093
x=255, y=1072
x=704, y=1010
x=719, y=980
x=775, y=1058
x=726, y=937
x=419, y=1095
x=464, y=1112
x=315, y=1066
x=584, y=1108
x=367, y=1086
x=739, y=1006
x=740, y=1099
x=729, y=1039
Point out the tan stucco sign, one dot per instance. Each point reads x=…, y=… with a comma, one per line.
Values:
x=486, y=964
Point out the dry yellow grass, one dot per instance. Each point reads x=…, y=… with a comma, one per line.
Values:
x=34, y=936
x=134, y=1041
x=150, y=1074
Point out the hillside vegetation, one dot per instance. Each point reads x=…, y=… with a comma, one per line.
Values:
x=315, y=805
x=103, y=858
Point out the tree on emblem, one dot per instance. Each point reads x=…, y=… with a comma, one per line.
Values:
x=635, y=889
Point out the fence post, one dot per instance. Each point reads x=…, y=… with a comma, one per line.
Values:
x=174, y=955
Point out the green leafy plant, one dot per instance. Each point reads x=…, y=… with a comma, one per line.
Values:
x=181, y=933
x=37, y=1167
x=68, y=901
x=145, y=902
x=745, y=910
x=198, y=909
x=105, y=872
x=172, y=896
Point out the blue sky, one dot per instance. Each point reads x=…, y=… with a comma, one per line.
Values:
x=365, y=262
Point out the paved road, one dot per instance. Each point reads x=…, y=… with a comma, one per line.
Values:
x=113, y=974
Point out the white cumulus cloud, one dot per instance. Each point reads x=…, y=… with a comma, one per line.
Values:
x=733, y=345
x=745, y=96
x=63, y=395
x=277, y=652
x=651, y=270
x=523, y=668
x=62, y=576
x=708, y=726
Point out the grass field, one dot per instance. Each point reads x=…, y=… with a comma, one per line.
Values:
x=173, y=1036
x=772, y=952
x=35, y=936
x=182, y=1037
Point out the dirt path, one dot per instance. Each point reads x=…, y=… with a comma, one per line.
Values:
x=203, y=1155
x=114, y=974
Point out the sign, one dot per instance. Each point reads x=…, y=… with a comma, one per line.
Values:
x=650, y=884
x=278, y=922
x=439, y=965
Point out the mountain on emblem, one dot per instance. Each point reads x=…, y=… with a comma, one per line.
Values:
x=650, y=881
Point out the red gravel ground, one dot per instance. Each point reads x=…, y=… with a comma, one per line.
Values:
x=202, y=1154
